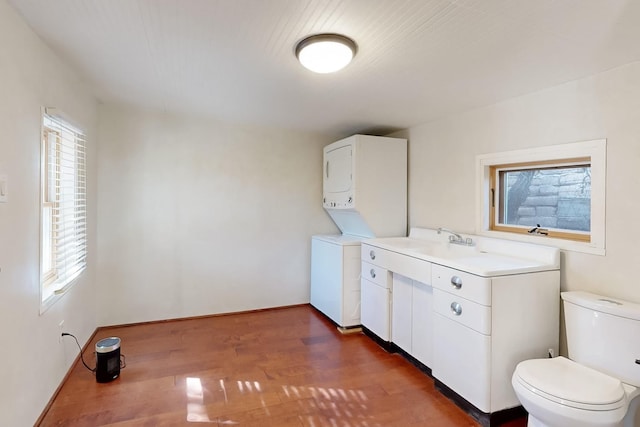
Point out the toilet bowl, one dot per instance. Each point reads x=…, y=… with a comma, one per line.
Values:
x=598, y=385
x=561, y=393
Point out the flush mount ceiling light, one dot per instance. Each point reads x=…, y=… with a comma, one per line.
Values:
x=326, y=53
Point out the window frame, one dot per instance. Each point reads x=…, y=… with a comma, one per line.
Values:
x=61, y=158
x=47, y=231
x=592, y=152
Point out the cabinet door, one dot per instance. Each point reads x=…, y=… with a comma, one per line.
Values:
x=374, y=310
x=401, y=312
x=422, y=331
x=461, y=360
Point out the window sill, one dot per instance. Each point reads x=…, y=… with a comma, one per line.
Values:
x=568, y=245
x=50, y=295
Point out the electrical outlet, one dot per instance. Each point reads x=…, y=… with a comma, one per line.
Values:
x=60, y=330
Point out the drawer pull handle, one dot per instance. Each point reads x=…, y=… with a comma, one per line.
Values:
x=456, y=308
x=373, y=273
x=372, y=255
x=456, y=282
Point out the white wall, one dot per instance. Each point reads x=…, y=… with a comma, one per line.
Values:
x=442, y=166
x=199, y=217
x=33, y=360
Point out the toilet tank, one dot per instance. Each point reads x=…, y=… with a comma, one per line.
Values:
x=604, y=334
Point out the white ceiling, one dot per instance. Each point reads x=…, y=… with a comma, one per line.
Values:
x=418, y=59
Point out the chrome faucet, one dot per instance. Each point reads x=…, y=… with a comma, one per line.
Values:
x=456, y=238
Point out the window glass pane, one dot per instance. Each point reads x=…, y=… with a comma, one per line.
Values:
x=555, y=197
x=47, y=245
x=51, y=166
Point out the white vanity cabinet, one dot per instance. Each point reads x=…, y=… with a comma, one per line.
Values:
x=484, y=326
x=412, y=318
x=471, y=314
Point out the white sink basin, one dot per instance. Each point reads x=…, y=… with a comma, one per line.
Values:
x=426, y=248
x=444, y=250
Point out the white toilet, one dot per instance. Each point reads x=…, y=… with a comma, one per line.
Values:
x=599, y=385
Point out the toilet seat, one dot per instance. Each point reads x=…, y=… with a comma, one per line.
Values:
x=568, y=383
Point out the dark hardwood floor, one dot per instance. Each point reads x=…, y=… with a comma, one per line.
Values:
x=283, y=367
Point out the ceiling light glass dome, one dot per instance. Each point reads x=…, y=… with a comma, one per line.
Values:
x=325, y=53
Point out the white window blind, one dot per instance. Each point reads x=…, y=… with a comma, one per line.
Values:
x=64, y=207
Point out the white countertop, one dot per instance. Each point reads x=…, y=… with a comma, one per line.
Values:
x=487, y=257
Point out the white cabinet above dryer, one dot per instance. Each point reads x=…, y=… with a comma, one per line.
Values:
x=365, y=185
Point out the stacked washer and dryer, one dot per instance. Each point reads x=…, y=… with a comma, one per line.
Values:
x=365, y=193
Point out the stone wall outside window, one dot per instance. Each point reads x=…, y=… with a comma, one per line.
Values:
x=556, y=198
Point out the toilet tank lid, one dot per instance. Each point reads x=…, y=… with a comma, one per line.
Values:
x=613, y=306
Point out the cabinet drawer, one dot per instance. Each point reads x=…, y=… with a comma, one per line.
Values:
x=458, y=309
x=465, y=285
x=375, y=274
x=374, y=255
x=405, y=265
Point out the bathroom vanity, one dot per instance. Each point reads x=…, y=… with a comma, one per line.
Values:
x=469, y=311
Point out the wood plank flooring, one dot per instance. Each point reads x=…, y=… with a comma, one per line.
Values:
x=284, y=367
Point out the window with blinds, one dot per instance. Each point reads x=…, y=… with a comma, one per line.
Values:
x=64, y=208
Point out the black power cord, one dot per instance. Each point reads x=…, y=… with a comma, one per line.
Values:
x=64, y=334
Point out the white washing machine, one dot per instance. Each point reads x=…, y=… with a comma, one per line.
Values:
x=335, y=277
x=365, y=193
